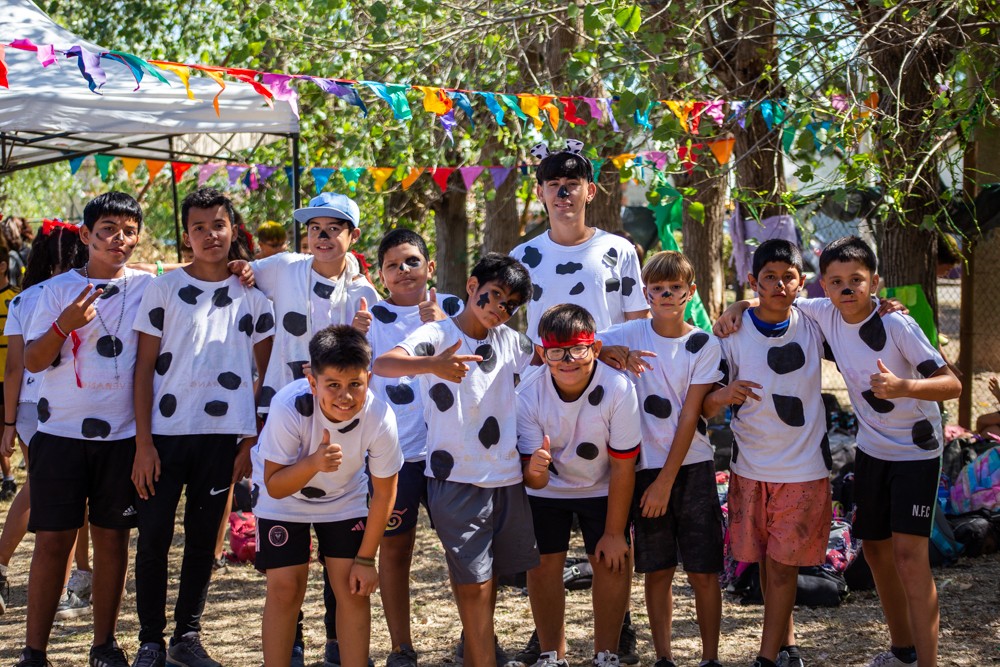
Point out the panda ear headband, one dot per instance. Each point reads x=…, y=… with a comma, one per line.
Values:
x=573, y=149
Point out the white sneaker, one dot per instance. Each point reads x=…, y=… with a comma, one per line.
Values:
x=550, y=659
x=889, y=659
x=606, y=659
x=70, y=606
x=80, y=583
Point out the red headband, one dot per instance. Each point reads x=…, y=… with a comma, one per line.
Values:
x=49, y=226
x=585, y=338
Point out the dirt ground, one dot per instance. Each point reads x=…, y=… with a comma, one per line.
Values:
x=847, y=635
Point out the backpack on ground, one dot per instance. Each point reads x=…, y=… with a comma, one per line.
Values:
x=243, y=536
x=944, y=548
x=977, y=486
x=978, y=532
x=578, y=575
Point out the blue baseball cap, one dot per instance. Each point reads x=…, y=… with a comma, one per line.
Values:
x=332, y=205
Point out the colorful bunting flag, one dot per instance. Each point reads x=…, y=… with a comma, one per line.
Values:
x=103, y=163
x=493, y=106
x=154, y=167
x=130, y=164
x=597, y=164
x=288, y=173
x=74, y=164
x=722, y=149
x=90, y=67
x=469, y=175
x=136, y=65
x=569, y=111
x=3, y=68
x=235, y=172
x=321, y=175
x=462, y=101
x=352, y=175
x=380, y=175
x=448, y=122
x=395, y=95
x=264, y=172
x=205, y=172
x=411, y=177
x=344, y=91
x=183, y=73
x=611, y=116
x=440, y=176
x=179, y=168
x=280, y=88
x=513, y=104
x=435, y=100
x=499, y=175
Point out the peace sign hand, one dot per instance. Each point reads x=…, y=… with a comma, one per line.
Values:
x=80, y=311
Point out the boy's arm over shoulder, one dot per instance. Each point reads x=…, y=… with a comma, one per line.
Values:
x=268, y=272
x=624, y=421
x=937, y=381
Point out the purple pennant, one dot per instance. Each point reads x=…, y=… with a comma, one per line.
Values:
x=499, y=175
x=90, y=66
x=235, y=171
x=344, y=91
x=595, y=108
x=469, y=175
x=265, y=172
x=739, y=111
x=606, y=101
x=205, y=172
x=658, y=158
x=448, y=122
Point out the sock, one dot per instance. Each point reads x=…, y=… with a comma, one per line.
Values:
x=3, y=570
x=628, y=618
x=792, y=651
x=763, y=662
x=8, y=478
x=906, y=654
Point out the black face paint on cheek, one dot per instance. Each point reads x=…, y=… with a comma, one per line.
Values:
x=563, y=192
x=484, y=299
x=412, y=262
x=847, y=291
x=683, y=299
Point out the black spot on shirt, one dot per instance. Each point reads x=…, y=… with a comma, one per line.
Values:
x=786, y=359
x=221, y=298
x=587, y=450
x=350, y=427
x=294, y=323
x=696, y=342
x=552, y=468
x=163, y=363
x=923, y=435
x=879, y=405
x=312, y=492
x=657, y=406
x=451, y=305
x=611, y=257
x=56, y=361
x=400, y=394
x=296, y=368
x=229, y=380
x=702, y=426
x=568, y=268
x=724, y=367
x=424, y=350
x=264, y=323
x=383, y=314
x=927, y=368
x=489, y=361
x=577, y=289
x=254, y=495
x=872, y=333
x=109, y=346
x=442, y=396
x=596, y=395
x=612, y=285
x=189, y=294
x=736, y=452
x=95, y=428
x=524, y=343
x=156, y=318
x=43, y=410
x=628, y=284
x=531, y=257
x=246, y=324
x=828, y=352
x=168, y=405
x=536, y=292
x=441, y=464
x=489, y=434
x=266, y=396
x=824, y=447
x=109, y=290
x=322, y=290
x=789, y=409
x=216, y=408
x=304, y=404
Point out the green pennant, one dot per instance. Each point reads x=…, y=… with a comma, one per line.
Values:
x=103, y=165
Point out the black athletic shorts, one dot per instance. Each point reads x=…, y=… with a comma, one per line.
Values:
x=286, y=543
x=70, y=475
x=553, y=520
x=690, y=531
x=411, y=493
x=894, y=496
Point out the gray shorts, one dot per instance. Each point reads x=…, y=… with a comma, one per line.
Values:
x=485, y=532
x=27, y=421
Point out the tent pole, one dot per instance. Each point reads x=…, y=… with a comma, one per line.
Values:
x=177, y=209
x=296, y=195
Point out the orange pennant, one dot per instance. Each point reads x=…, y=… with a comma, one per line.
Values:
x=154, y=167
x=130, y=164
x=435, y=100
x=722, y=149
x=412, y=177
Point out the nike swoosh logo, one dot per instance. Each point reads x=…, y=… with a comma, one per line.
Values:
x=215, y=492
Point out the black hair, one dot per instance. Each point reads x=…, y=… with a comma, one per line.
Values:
x=777, y=250
x=242, y=246
x=565, y=321
x=339, y=346
x=564, y=165
x=505, y=271
x=401, y=236
x=206, y=198
x=59, y=250
x=113, y=203
x=848, y=249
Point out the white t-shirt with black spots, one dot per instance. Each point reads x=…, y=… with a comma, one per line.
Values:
x=294, y=430
x=901, y=429
x=203, y=381
x=304, y=303
x=583, y=434
x=679, y=363
x=782, y=437
x=600, y=274
x=87, y=393
x=19, y=314
x=471, y=425
x=390, y=326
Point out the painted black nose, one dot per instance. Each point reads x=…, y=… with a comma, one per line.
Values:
x=563, y=193
x=847, y=291
x=324, y=235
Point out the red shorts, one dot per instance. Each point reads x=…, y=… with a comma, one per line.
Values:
x=790, y=522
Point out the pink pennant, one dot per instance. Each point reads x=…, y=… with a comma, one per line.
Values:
x=658, y=158
x=469, y=175
x=278, y=84
x=714, y=111
x=595, y=108
x=3, y=69
x=440, y=176
x=205, y=172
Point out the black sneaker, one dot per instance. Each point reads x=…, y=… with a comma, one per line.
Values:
x=8, y=489
x=298, y=654
x=331, y=655
x=108, y=655
x=664, y=662
x=404, y=657
x=501, y=655
x=28, y=659
x=187, y=651
x=529, y=655
x=150, y=654
x=627, y=646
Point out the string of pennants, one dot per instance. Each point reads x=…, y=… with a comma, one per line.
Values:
x=253, y=176
x=443, y=102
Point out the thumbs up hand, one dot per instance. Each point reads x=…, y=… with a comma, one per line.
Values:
x=328, y=456
x=429, y=309
x=536, y=474
x=886, y=385
x=363, y=318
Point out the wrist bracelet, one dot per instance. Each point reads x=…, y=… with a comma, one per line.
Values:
x=59, y=332
x=159, y=268
x=367, y=562
x=10, y=423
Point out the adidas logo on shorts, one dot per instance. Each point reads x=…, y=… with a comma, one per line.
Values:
x=360, y=525
x=129, y=511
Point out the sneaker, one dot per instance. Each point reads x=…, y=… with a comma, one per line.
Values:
x=32, y=660
x=405, y=656
x=889, y=659
x=108, y=655
x=529, y=655
x=331, y=655
x=8, y=489
x=606, y=659
x=220, y=563
x=150, y=654
x=550, y=659
x=71, y=606
x=627, y=654
x=80, y=583
x=4, y=592
x=785, y=660
x=710, y=663
x=501, y=655
x=187, y=651
x=298, y=654
x=664, y=662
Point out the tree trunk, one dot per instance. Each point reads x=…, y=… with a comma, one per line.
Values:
x=502, y=223
x=605, y=211
x=451, y=228
x=702, y=242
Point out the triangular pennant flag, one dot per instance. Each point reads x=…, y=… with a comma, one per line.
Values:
x=642, y=117
x=448, y=123
x=788, y=137
x=344, y=91
x=395, y=95
x=462, y=101
x=499, y=175
x=714, y=111
x=694, y=118
x=90, y=67
x=217, y=77
x=47, y=54
x=688, y=156
x=154, y=167
x=179, y=168
x=278, y=85
x=380, y=175
x=658, y=158
x=235, y=172
x=103, y=163
x=412, y=177
x=545, y=103
x=74, y=164
x=247, y=76
x=469, y=175
x=3, y=68
x=611, y=116
x=767, y=111
x=321, y=175
x=595, y=109
x=598, y=163
x=288, y=173
x=739, y=111
x=681, y=110
x=264, y=171
x=513, y=104
x=183, y=73
x=493, y=106
x=249, y=179
x=136, y=65
x=130, y=164
x=529, y=105
x=621, y=160
x=722, y=149
x=435, y=100
x=205, y=172
x=569, y=111
x=440, y=176
x=352, y=175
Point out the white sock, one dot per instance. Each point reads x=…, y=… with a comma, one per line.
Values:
x=3, y=570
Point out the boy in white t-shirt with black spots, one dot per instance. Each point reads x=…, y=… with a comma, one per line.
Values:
x=578, y=436
x=675, y=507
x=201, y=334
x=321, y=435
x=467, y=367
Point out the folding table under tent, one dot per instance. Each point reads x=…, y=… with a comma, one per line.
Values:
x=50, y=115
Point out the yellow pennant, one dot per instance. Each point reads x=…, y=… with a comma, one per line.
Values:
x=380, y=175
